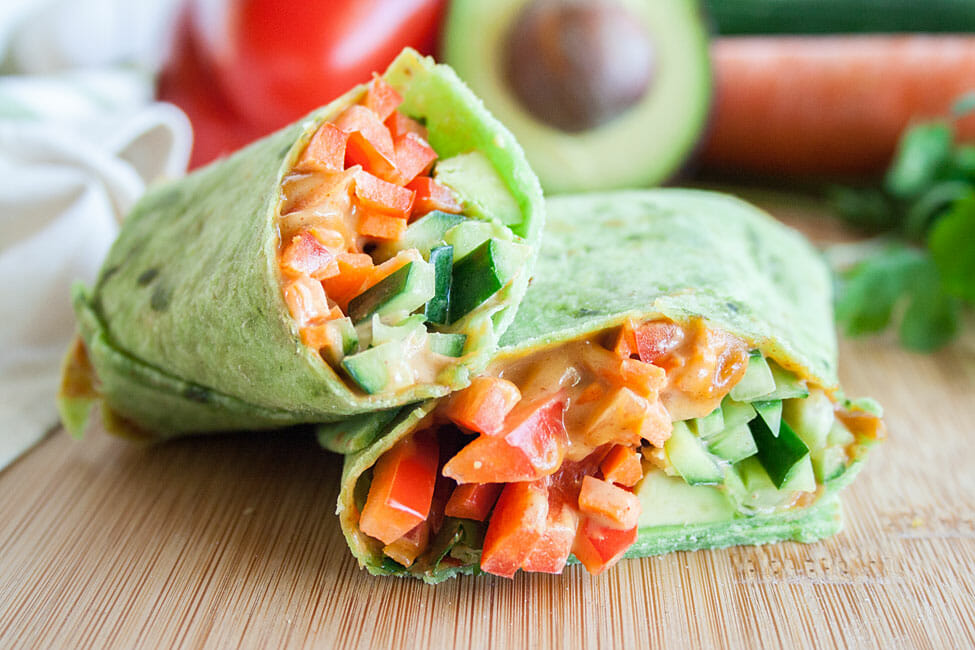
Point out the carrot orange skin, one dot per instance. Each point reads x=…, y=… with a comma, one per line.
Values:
x=622, y=466
x=518, y=523
x=473, y=500
x=431, y=195
x=381, y=98
x=402, y=488
x=832, y=105
x=326, y=149
x=483, y=405
x=608, y=504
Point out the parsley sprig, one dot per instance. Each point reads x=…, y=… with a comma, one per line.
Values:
x=924, y=278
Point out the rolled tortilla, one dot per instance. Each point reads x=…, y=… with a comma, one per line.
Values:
x=673, y=256
x=186, y=329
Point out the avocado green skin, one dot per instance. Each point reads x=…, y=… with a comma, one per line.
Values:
x=187, y=328
x=644, y=146
x=682, y=254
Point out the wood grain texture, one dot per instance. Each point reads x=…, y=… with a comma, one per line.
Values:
x=233, y=542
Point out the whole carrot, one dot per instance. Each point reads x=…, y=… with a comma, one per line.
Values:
x=834, y=105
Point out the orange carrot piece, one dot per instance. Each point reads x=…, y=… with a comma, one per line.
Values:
x=431, y=195
x=473, y=500
x=316, y=333
x=355, y=269
x=590, y=393
x=516, y=526
x=381, y=98
x=608, y=504
x=305, y=299
x=483, y=405
x=399, y=124
x=551, y=551
x=414, y=156
x=619, y=420
x=599, y=547
x=305, y=255
x=381, y=226
x=830, y=105
x=407, y=548
x=626, y=339
x=380, y=196
x=326, y=149
x=644, y=379
x=622, y=466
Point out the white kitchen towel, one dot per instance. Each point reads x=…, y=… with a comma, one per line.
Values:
x=77, y=149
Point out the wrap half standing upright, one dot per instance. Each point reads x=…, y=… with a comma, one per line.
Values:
x=366, y=257
x=669, y=383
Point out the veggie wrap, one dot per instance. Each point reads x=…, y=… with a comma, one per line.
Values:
x=669, y=383
x=365, y=257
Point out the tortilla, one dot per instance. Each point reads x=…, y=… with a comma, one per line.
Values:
x=678, y=254
x=186, y=330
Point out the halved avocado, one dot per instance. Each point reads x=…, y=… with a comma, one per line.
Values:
x=601, y=94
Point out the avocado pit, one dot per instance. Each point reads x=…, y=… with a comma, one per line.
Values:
x=578, y=64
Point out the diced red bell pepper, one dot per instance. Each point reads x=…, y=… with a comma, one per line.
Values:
x=381, y=98
x=600, y=547
x=379, y=196
x=657, y=339
x=369, y=143
x=407, y=548
x=473, y=500
x=414, y=156
x=355, y=269
x=618, y=420
x=305, y=299
x=326, y=150
x=402, y=488
x=305, y=255
x=483, y=405
x=644, y=379
x=552, y=549
x=517, y=524
x=607, y=504
x=399, y=124
x=531, y=445
x=381, y=226
x=431, y=195
x=622, y=466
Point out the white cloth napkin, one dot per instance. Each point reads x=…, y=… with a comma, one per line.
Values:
x=77, y=149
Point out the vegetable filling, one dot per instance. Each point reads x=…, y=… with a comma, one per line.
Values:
x=570, y=450
x=385, y=255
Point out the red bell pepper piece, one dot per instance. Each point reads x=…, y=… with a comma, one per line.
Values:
x=607, y=504
x=381, y=226
x=399, y=124
x=431, y=195
x=622, y=466
x=305, y=255
x=379, y=196
x=483, y=405
x=473, y=500
x=381, y=98
x=414, y=156
x=369, y=143
x=518, y=522
x=600, y=547
x=402, y=488
x=553, y=547
x=657, y=339
x=326, y=150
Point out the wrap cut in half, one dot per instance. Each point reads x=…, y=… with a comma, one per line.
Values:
x=366, y=257
x=669, y=383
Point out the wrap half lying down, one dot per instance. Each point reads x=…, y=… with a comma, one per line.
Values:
x=669, y=383
x=277, y=286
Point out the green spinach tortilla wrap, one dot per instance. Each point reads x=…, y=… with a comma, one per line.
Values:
x=366, y=257
x=669, y=383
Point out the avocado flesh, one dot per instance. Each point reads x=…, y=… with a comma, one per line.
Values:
x=643, y=146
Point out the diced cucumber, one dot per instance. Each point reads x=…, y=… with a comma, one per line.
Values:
x=839, y=434
x=670, y=501
x=355, y=433
x=771, y=412
x=867, y=404
x=733, y=444
x=382, y=333
x=378, y=367
x=828, y=463
x=481, y=189
x=787, y=385
x=811, y=417
x=469, y=234
x=756, y=383
x=736, y=413
x=749, y=485
x=396, y=295
x=778, y=455
x=690, y=459
x=709, y=425
x=438, y=307
x=480, y=274
x=342, y=339
x=801, y=478
x=424, y=234
x=449, y=345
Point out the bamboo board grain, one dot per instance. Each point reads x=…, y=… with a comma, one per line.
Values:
x=232, y=542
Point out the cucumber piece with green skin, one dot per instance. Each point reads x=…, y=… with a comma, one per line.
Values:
x=736, y=413
x=709, y=425
x=829, y=462
x=479, y=187
x=667, y=500
x=733, y=445
x=449, y=345
x=756, y=383
x=801, y=478
x=811, y=418
x=383, y=333
x=840, y=16
x=749, y=486
x=480, y=274
x=437, y=309
x=778, y=454
x=839, y=434
x=342, y=339
x=787, y=385
x=374, y=369
x=424, y=234
x=690, y=459
x=771, y=412
x=470, y=234
x=396, y=295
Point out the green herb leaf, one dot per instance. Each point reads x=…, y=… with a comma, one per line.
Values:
x=952, y=244
x=868, y=293
x=931, y=318
x=922, y=154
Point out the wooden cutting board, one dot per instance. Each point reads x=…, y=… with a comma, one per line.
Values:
x=233, y=542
